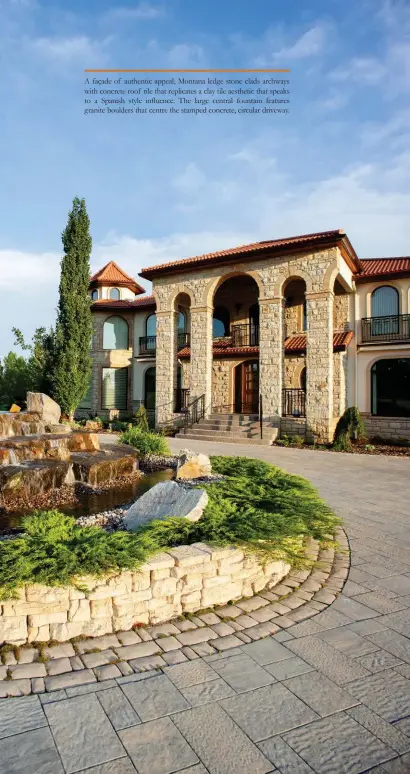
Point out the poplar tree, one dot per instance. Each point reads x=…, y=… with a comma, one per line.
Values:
x=71, y=370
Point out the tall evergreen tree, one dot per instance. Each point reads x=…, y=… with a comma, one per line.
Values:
x=71, y=370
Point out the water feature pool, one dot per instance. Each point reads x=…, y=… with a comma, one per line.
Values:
x=91, y=501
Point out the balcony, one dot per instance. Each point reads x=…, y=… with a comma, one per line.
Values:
x=388, y=329
x=148, y=344
x=245, y=335
x=294, y=402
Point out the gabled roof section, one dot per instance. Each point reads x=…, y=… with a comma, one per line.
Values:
x=138, y=303
x=383, y=268
x=112, y=275
x=255, y=250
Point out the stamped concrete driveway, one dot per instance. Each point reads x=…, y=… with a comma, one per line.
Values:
x=330, y=695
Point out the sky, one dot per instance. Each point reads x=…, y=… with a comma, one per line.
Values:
x=159, y=188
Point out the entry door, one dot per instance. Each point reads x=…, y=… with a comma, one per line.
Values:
x=250, y=387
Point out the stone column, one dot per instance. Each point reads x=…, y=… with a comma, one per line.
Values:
x=201, y=355
x=271, y=358
x=165, y=367
x=319, y=365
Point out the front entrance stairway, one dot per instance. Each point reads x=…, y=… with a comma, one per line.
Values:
x=229, y=428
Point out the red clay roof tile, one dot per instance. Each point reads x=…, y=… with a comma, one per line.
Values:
x=106, y=303
x=254, y=247
x=112, y=274
x=373, y=268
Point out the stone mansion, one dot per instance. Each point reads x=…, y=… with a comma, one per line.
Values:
x=286, y=333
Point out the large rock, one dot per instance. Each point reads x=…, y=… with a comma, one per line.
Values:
x=165, y=500
x=193, y=465
x=42, y=404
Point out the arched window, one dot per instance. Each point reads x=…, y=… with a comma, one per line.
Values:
x=385, y=301
x=181, y=322
x=114, y=294
x=94, y=295
x=151, y=325
x=385, y=308
x=149, y=389
x=115, y=333
x=390, y=385
x=303, y=379
x=221, y=322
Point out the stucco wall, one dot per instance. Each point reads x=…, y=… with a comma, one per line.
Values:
x=182, y=580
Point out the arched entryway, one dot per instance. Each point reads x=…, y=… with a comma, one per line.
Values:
x=246, y=387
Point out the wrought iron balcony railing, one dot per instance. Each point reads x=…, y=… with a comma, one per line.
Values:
x=294, y=402
x=148, y=345
x=392, y=327
x=245, y=335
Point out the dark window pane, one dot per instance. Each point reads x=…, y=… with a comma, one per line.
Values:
x=390, y=388
x=151, y=325
x=114, y=294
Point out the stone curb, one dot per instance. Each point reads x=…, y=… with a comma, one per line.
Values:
x=132, y=655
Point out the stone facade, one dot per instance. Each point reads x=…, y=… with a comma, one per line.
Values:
x=317, y=271
x=182, y=580
x=391, y=428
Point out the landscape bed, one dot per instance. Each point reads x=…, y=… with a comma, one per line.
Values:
x=258, y=516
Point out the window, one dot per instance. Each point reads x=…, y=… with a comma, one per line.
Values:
x=181, y=322
x=221, y=322
x=303, y=379
x=390, y=386
x=151, y=325
x=94, y=295
x=114, y=388
x=115, y=333
x=114, y=294
x=149, y=389
x=385, y=304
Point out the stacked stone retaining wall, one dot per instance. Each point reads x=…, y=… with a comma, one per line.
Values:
x=183, y=580
x=387, y=427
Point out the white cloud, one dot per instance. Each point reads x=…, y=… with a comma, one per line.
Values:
x=274, y=50
x=35, y=269
x=191, y=179
x=140, y=11
x=366, y=70
x=78, y=49
x=186, y=55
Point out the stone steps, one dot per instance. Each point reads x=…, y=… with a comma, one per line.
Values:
x=228, y=428
x=222, y=438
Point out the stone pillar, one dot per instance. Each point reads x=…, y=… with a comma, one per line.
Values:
x=271, y=358
x=165, y=367
x=319, y=365
x=201, y=355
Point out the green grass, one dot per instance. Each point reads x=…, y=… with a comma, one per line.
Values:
x=146, y=442
x=257, y=507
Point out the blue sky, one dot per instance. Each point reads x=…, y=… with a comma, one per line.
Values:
x=162, y=187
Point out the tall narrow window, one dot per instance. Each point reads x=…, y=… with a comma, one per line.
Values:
x=149, y=389
x=385, y=310
x=151, y=325
x=114, y=388
x=115, y=333
x=94, y=295
x=114, y=294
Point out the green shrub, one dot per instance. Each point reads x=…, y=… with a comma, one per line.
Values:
x=141, y=420
x=369, y=447
x=256, y=507
x=349, y=428
x=146, y=443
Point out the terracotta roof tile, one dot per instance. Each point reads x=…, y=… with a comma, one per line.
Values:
x=112, y=274
x=254, y=247
x=379, y=267
x=297, y=343
x=106, y=303
x=293, y=344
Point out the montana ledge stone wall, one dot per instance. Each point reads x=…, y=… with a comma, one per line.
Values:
x=183, y=580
